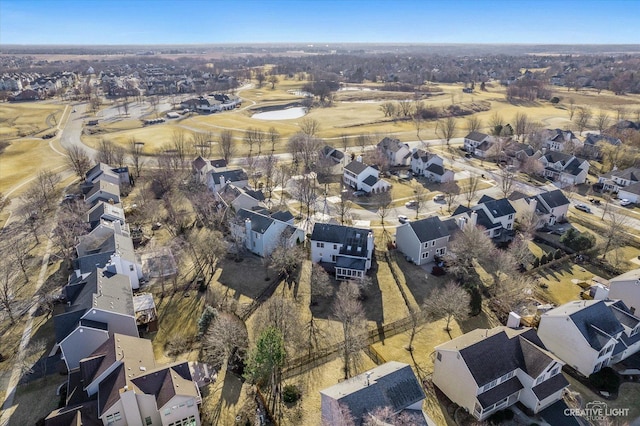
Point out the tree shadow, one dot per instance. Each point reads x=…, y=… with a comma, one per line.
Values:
x=231, y=388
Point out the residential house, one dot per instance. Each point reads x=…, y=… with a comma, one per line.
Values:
x=398, y=153
x=129, y=388
x=473, y=139
x=98, y=304
x=562, y=140
x=25, y=95
x=108, y=246
x=431, y=166
x=364, y=178
x=590, y=334
x=262, y=232
x=549, y=207
x=335, y=155
x=238, y=198
x=391, y=385
x=593, y=144
x=103, y=211
x=349, y=249
x=565, y=169
x=202, y=167
x=626, y=287
x=217, y=180
x=517, y=153
x=422, y=240
x=630, y=192
x=484, y=371
x=103, y=191
x=495, y=216
x=617, y=180
x=102, y=171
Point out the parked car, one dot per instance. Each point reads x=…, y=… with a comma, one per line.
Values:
x=403, y=219
x=359, y=193
x=411, y=204
x=438, y=198
x=583, y=207
x=625, y=202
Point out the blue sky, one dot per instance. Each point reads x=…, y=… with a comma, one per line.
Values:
x=319, y=21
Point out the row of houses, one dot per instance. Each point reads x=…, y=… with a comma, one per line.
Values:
x=424, y=240
x=113, y=377
x=212, y=103
x=485, y=371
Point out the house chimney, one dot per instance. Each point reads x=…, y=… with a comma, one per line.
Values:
x=462, y=221
x=359, y=158
x=473, y=218
x=222, y=181
x=533, y=204
x=369, y=244
x=247, y=226
x=368, y=376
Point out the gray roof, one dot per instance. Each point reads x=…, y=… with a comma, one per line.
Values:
x=429, y=229
x=632, y=174
x=634, y=188
x=356, y=167
x=392, y=145
x=550, y=386
x=554, y=198
x=105, y=190
x=476, y=136
x=350, y=238
x=236, y=175
x=391, y=385
x=425, y=156
x=283, y=216
x=347, y=262
x=499, y=208
x=371, y=180
x=500, y=392
x=259, y=222
x=523, y=350
x=436, y=169
x=199, y=163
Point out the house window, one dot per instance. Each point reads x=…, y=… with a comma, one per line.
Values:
x=190, y=403
x=335, y=247
x=433, y=243
x=441, y=251
x=539, y=380
x=426, y=244
x=131, y=268
x=167, y=411
x=555, y=371
x=114, y=418
x=333, y=258
x=477, y=409
x=321, y=245
x=439, y=356
x=510, y=217
x=425, y=255
x=148, y=421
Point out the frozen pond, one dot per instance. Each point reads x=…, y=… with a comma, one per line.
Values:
x=281, y=114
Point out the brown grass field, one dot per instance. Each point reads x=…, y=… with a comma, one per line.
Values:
x=23, y=119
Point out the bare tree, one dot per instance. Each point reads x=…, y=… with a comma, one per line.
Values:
x=273, y=136
x=207, y=247
x=273, y=80
x=521, y=125
x=136, y=152
x=446, y=129
x=451, y=190
x=201, y=142
x=226, y=336
x=621, y=113
x=419, y=196
x=226, y=147
x=105, y=152
x=614, y=232
x=344, y=207
x=338, y=415
x=78, y=160
x=583, y=118
x=507, y=180
x=285, y=257
x=363, y=140
x=305, y=190
x=282, y=314
x=469, y=246
x=41, y=195
x=404, y=108
x=572, y=108
x=304, y=148
x=71, y=225
x=348, y=310
x=473, y=123
x=471, y=188
x=8, y=288
x=388, y=109
x=180, y=147
x=450, y=302
x=603, y=121
x=384, y=203
x=119, y=155
x=260, y=78
x=309, y=126
x=496, y=123
x=268, y=165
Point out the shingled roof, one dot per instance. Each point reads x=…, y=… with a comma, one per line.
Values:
x=430, y=229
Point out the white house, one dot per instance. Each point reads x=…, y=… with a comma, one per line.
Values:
x=398, y=153
x=484, y=371
x=549, y=207
x=200, y=167
x=335, y=155
x=108, y=246
x=564, y=168
x=98, y=305
x=631, y=193
x=562, y=140
x=102, y=171
x=103, y=190
x=617, y=180
x=431, y=166
x=392, y=385
x=626, y=287
x=119, y=383
x=495, y=216
x=365, y=178
x=590, y=334
x=217, y=180
x=422, y=240
x=474, y=139
x=262, y=232
x=103, y=211
x=350, y=249
x=241, y=198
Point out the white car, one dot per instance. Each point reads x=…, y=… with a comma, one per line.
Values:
x=625, y=202
x=402, y=218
